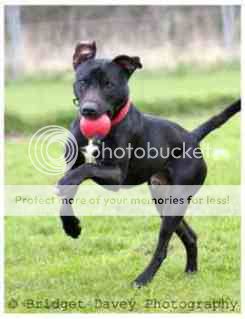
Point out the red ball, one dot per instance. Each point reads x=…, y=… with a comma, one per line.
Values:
x=98, y=127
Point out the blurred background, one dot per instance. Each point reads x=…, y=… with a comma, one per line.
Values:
x=42, y=38
x=190, y=57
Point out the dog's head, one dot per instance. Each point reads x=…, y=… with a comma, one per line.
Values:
x=101, y=86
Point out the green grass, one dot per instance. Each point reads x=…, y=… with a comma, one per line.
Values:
x=42, y=263
x=35, y=102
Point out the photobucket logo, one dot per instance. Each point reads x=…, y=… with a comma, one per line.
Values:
x=46, y=150
x=149, y=152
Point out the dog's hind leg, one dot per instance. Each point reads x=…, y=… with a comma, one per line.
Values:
x=168, y=226
x=180, y=174
x=189, y=239
x=183, y=231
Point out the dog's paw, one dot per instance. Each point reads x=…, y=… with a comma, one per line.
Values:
x=192, y=269
x=71, y=226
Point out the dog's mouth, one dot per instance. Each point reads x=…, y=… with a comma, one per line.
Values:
x=109, y=113
x=97, y=116
x=93, y=111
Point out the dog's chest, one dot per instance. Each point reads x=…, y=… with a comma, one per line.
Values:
x=90, y=152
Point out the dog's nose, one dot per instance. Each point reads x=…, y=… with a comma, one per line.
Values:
x=89, y=109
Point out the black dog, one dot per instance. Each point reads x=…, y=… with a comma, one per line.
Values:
x=101, y=86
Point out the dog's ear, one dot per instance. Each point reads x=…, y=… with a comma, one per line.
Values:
x=128, y=64
x=83, y=51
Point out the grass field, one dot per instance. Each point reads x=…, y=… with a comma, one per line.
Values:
x=36, y=102
x=41, y=263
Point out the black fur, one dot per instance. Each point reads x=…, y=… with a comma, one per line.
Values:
x=204, y=129
x=102, y=85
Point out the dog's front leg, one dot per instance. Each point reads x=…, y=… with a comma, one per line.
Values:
x=111, y=174
x=68, y=185
x=70, y=222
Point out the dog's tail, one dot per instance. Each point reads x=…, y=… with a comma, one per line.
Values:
x=216, y=121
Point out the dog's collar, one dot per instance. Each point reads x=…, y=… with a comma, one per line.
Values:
x=121, y=114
